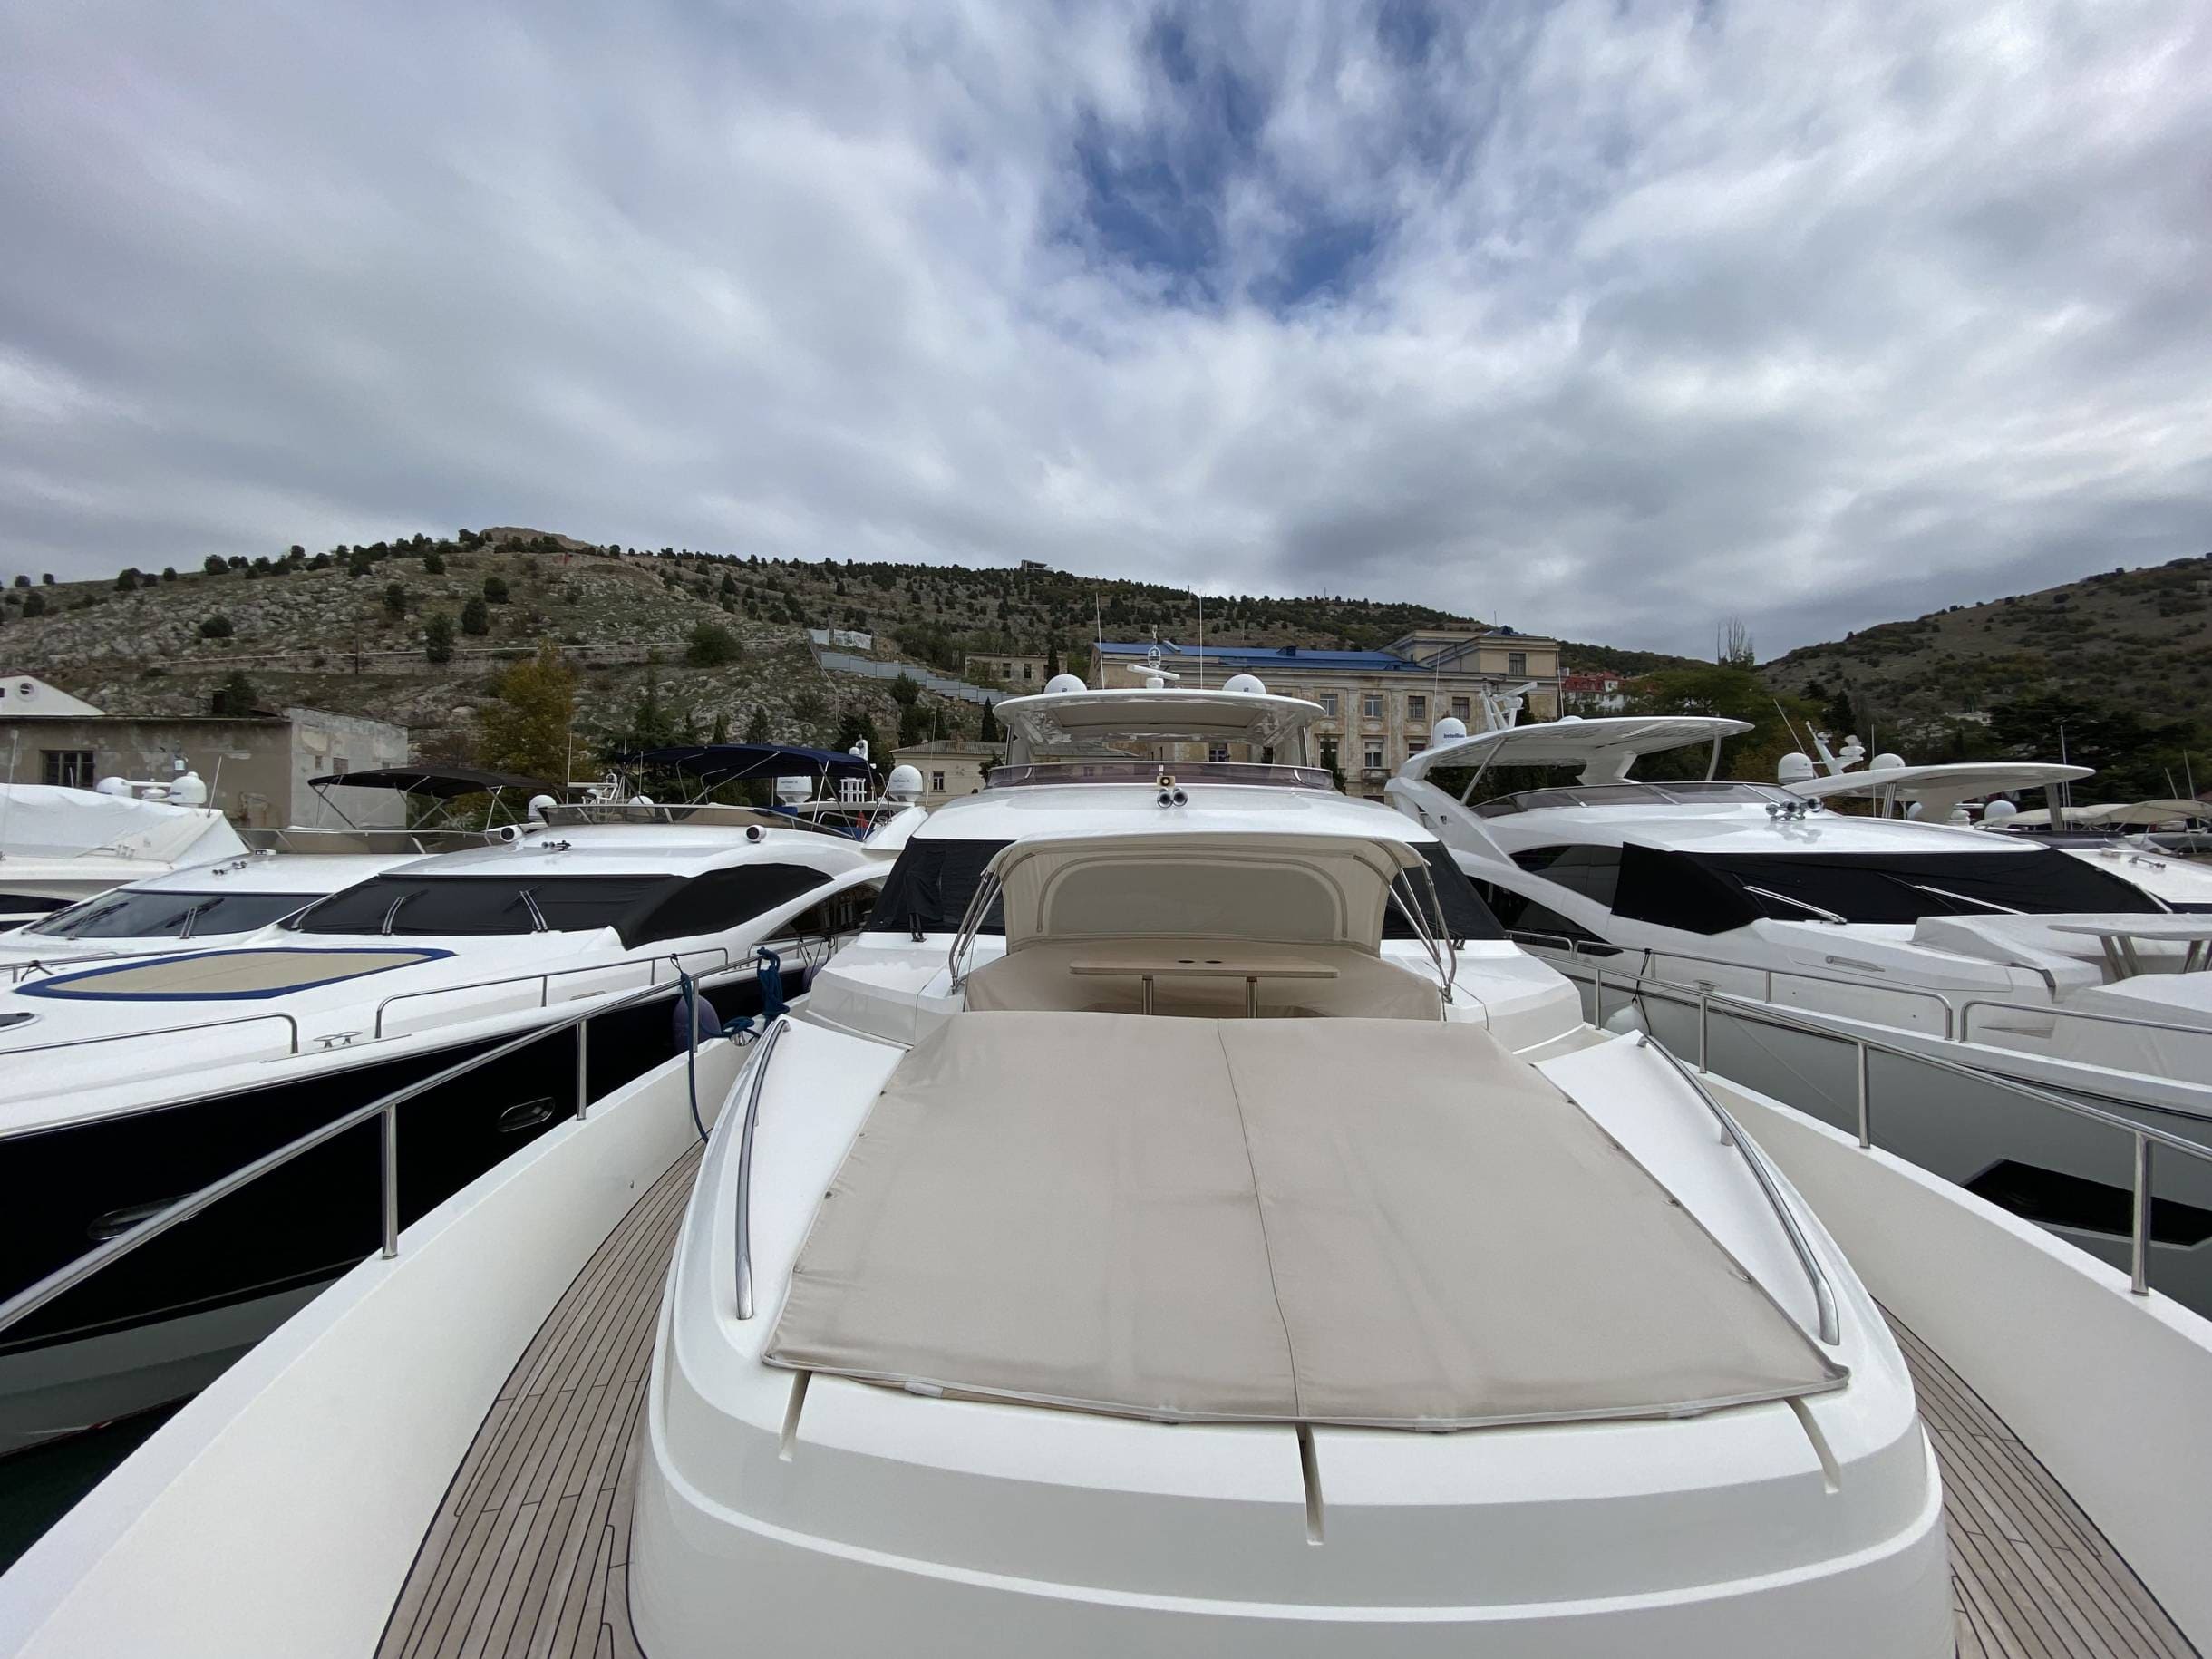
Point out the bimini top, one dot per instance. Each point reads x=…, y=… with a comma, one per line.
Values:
x=1142, y=714
x=1313, y=889
x=1234, y=1220
x=718, y=763
x=1939, y=788
x=438, y=782
x=1604, y=748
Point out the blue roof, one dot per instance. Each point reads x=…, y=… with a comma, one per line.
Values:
x=1258, y=659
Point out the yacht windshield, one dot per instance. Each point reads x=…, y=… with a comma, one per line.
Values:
x=1713, y=892
x=639, y=908
x=928, y=890
x=168, y=916
x=1697, y=792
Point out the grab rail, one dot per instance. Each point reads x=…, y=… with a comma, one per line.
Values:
x=166, y=1031
x=29, y=1300
x=1823, y=1297
x=971, y=923
x=758, y=1068
x=1966, y=1011
x=652, y=964
x=2146, y=1137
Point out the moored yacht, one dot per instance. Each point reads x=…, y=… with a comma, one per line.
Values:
x=1181, y=1223
x=58, y=845
x=1980, y=950
x=134, y=1080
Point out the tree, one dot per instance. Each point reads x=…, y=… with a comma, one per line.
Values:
x=905, y=691
x=433, y=563
x=129, y=579
x=438, y=638
x=756, y=725
x=720, y=733
x=1731, y=643
x=235, y=698
x=987, y=731
x=169, y=573
x=395, y=600
x=1732, y=691
x=711, y=646
x=34, y=604
x=295, y=551
x=475, y=618
x=728, y=589
x=217, y=626
x=23, y=581
x=912, y=725
x=495, y=590
x=527, y=730
x=652, y=723
x=46, y=578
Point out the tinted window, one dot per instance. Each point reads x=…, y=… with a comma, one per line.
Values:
x=481, y=904
x=1595, y=872
x=1711, y=892
x=1466, y=916
x=719, y=900
x=929, y=888
x=165, y=916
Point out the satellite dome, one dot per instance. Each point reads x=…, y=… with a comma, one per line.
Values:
x=1886, y=762
x=1243, y=683
x=1064, y=682
x=1448, y=730
x=188, y=790
x=539, y=806
x=903, y=784
x=793, y=791
x=1999, y=812
x=113, y=786
x=1793, y=768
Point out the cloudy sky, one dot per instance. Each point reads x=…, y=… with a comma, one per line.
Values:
x=1602, y=319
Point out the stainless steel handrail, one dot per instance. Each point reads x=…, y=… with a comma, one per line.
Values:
x=1967, y=1010
x=29, y=1300
x=166, y=1031
x=971, y=924
x=1574, y=948
x=1410, y=910
x=652, y=964
x=1823, y=1297
x=1758, y=1013
x=764, y=1051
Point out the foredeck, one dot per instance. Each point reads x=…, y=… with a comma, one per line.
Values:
x=529, y=1551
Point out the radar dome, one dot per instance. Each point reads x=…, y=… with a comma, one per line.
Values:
x=1243, y=683
x=188, y=790
x=1999, y=812
x=790, y=792
x=1064, y=682
x=1448, y=730
x=113, y=786
x=904, y=785
x=1793, y=768
x=539, y=806
x=1886, y=762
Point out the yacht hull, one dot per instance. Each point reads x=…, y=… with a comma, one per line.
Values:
x=158, y=1324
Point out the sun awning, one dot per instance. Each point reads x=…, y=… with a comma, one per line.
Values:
x=1190, y=1219
x=1054, y=719
x=439, y=782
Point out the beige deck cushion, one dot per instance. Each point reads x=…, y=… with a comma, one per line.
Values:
x=1373, y=1222
x=1038, y=978
x=234, y=973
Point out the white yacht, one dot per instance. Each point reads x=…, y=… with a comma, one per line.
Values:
x=58, y=845
x=133, y=1080
x=1985, y=951
x=1940, y=793
x=1336, y=1331
x=204, y=905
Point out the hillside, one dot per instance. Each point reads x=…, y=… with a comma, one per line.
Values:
x=345, y=629
x=2124, y=640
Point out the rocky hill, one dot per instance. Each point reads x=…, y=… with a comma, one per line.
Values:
x=2131, y=640
x=667, y=642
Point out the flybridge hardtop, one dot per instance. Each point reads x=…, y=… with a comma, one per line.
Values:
x=1605, y=749
x=1234, y=713
x=1939, y=787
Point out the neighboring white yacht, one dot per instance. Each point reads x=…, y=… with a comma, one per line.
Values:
x=1989, y=951
x=203, y=905
x=58, y=845
x=1376, y=1209
x=131, y=1081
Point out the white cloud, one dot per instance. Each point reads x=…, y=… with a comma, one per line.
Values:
x=1601, y=320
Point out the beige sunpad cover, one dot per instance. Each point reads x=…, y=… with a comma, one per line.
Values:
x=1332, y=1221
x=235, y=973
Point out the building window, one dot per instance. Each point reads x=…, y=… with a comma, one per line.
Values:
x=1371, y=705
x=1029, y=671
x=1217, y=752
x=1328, y=704
x=69, y=768
x=1462, y=709
x=1417, y=708
x=1374, y=757
x=936, y=783
x=1328, y=755
x=1516, y=662
x=1414, y=745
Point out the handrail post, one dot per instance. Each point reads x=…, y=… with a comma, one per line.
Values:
x=583, y=1069
x=2138, y=1229
x=391, y=1117
x=1597, y=995
x=1705, y=1026
x=1866, y=1095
